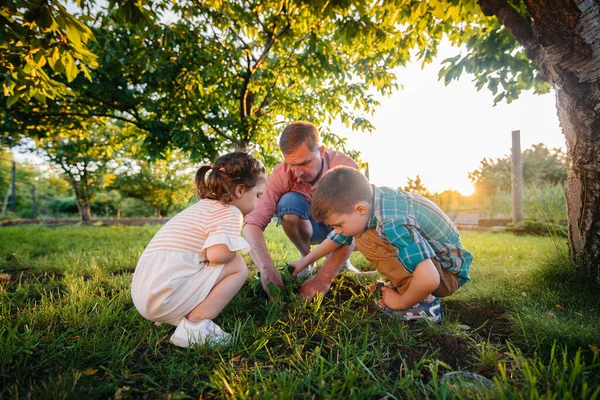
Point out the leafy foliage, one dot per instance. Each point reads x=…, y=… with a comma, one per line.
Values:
x=85, y=157
x=540, y=166
x=228, y=74
x=39, y=40
x=164, y=184
x=416, y=186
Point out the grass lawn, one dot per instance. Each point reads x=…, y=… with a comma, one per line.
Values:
x=526, y=324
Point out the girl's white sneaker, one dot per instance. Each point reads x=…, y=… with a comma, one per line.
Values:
x=206, y=331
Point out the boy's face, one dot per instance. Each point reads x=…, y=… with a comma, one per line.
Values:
x=305, y=164
x=350, y=224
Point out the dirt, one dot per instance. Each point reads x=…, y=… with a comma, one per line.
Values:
x=27, y=274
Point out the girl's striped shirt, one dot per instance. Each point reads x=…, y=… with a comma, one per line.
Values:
x=202, y=225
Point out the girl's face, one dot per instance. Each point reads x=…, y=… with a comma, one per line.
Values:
x=245, y=200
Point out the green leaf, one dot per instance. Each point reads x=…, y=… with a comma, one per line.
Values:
x=73, y=34
x=12, y=100
x=274, y=290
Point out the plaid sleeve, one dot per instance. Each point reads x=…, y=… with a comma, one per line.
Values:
x=339, y=238
x=411, y=247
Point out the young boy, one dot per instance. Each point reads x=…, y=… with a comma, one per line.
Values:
x=406, y=237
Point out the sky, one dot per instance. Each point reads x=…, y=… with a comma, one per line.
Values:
x=441, y=133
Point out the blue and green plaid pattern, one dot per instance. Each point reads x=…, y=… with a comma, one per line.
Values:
x=418, y=229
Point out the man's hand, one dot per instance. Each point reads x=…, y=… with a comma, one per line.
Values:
x=316, y=284
x=270, y=275
x=299, y=266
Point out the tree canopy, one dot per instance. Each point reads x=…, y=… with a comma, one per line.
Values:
x=217, y=75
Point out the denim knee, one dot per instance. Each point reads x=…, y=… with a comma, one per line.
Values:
x=292, y=203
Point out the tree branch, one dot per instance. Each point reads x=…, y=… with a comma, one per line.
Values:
x=93, y=114
x=514, y=22
x=217, y=130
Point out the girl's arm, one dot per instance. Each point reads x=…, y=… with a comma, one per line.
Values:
x=326, y=247
x=219, y=254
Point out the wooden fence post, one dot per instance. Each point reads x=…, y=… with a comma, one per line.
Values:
x=516, y=178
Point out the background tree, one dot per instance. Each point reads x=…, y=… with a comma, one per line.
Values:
x=165, y=184
x=541, y=166
x=86, y=157
x=416, y=186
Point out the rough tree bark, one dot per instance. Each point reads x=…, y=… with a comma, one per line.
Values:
x=563, y=38
x=85, y=211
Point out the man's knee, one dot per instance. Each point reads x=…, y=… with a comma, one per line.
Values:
x=291, y=219
x=293, y=203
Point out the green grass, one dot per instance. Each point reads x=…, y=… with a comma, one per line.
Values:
x=68, y=328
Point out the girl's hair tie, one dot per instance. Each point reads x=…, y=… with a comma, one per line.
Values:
x=222, y=169
x=212, y=166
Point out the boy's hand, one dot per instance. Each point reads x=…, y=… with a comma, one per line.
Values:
x=310, y=288
x=299, y=266
x=390, y=298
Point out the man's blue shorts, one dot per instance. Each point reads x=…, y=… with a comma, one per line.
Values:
x=295, y=203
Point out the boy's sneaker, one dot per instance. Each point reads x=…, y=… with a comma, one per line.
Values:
x=306, y=271
x=421, y=311
x=206, y=331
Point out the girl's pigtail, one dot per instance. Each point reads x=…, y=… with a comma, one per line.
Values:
x=201, y=181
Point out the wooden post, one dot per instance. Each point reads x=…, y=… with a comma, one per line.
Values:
x=13, y=206
x=517, y=178
x=33, y=205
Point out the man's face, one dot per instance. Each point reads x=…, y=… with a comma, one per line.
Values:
x=350, y=224
x=305, y=164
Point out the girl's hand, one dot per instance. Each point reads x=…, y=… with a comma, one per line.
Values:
x=298, y=266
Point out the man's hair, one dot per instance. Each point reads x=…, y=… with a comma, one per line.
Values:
x=338, y=192
x=297, y=133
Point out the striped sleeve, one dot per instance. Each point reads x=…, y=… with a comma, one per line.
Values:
x=225, y=228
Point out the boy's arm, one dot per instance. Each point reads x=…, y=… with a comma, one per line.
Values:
x=326, y=247
x=425, y=279
x=321, y=282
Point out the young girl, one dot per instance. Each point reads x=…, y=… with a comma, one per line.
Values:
x=190, y=270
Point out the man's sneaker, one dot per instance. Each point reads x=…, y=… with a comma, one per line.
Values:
x=349, y=267
x=424, y=310
x=206, y=331
x=306, y=271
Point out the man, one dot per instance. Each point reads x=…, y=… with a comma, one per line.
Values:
x=288, y=194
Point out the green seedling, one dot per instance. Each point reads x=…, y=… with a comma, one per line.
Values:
x=274, y=290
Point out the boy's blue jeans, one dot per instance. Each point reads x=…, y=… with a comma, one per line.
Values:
x=294, y=203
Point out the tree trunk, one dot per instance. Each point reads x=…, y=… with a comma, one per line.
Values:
x=84, y=211
x=563, y=38
x=568, y=33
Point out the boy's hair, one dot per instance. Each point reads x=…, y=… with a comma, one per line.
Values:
x=297, y=133
x=229, y=170
x=338, y=192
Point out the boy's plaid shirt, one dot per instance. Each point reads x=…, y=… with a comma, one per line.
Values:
x=418, y=229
